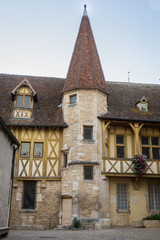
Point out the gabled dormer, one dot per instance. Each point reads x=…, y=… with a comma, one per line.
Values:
x=23, y=97
x=142, y=104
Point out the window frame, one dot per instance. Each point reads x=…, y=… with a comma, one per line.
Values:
x=120, y=145
x=151, y=146
x=89, y=127
x=23, y=101
x=84, y=172
x=153, y=197
x=24, y=207
x=34, y=150
x=29, y=149
x=125, y=210
x=71, y=97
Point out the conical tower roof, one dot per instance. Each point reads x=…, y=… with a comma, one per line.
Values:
x=85, y=71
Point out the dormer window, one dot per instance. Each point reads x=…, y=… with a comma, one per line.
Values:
x=143, y=104
x=23, y=96
x=23, y=101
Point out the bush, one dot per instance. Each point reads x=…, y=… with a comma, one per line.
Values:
x=76, y=223
x=153, y=217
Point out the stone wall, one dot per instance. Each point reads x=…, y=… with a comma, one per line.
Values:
x=90, y=198
x=47, y=204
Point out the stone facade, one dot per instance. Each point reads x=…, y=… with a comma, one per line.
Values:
x=46, y=213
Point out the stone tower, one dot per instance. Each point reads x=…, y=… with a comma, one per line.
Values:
x=84, y=192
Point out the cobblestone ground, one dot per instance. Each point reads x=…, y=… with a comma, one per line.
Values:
x=110, y=234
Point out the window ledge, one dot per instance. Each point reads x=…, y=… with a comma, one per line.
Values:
x=123, y=211
x=28, y=210
x=88, y=141
x=72, y=104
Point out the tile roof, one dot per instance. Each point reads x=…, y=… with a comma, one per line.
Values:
x=123, y=98
x=85, y=71
x=45, y=111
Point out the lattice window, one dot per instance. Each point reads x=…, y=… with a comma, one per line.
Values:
x=151, y=147
x=88, y=133
x=25, y=149
x=120, y=147
x=122, y=197
x=38, y=150
x=154, y=196
x=29, y=194
x=88, y=172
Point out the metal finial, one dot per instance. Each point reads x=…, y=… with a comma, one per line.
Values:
x=85, y=10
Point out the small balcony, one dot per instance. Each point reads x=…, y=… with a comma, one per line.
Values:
x=119, y=167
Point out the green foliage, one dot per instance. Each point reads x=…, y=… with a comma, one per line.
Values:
x=76, y=223
x=153, y=217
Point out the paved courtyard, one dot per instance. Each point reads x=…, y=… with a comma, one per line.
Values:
x=110, y=234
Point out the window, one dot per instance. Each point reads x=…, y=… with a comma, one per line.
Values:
x=120, y=146
x=29, y=194
x=142, y=104
x=38, y=149
x=88, y=172
x=65, y=160
x=23, y=101
x=88, y=133
x=73, y=99
x=151, y=147
x=154, y=196
x=25, y=149
x=122, y=197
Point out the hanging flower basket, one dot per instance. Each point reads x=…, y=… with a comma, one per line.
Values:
x=139, y=163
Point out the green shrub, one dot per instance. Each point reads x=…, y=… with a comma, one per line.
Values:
x=153, y=217
x=76, y=223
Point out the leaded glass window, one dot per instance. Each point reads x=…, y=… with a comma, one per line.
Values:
x=25, y=149
x=88, y=172
x=38, y=149
x=88, y=133
x=122, y=198
x=154, y=196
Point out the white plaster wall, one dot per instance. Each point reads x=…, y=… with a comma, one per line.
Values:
x=5, y=174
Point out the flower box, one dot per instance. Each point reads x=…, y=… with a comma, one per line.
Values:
x=151, y=223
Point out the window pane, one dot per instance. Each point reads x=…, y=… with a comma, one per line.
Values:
x=154, y=140
x=145, y=150
x=25, y=149
x=88, y=172
x=120, y=152
x=88, y=133
x=19, y=101
x=73, y=99
x=143, y=106
x=38, y=148
x=151, y=197
x=156, y=153
x=29, y=195
x=145, y=140
x=122, y=202
x=27, y=101
x=157, y=195
x=120, y=139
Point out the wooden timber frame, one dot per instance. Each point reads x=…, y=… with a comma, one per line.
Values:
x=125, y=168
x=47, y=167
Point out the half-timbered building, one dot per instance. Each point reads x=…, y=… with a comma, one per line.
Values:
x=78, y=136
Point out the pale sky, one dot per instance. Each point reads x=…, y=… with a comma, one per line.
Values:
x=37, y=37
